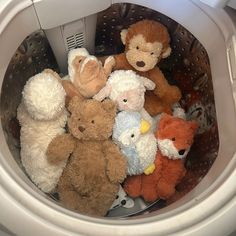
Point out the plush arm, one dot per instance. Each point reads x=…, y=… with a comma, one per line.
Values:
x=171, y=93
x=103, y=93
x=116, y=163
x=109, y=64
x=60, y=148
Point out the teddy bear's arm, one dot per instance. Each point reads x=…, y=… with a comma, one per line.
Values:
x=116, y=163
x=60, y=148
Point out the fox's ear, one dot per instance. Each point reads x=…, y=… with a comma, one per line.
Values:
x=164, y=121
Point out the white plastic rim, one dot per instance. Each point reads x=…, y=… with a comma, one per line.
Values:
x=210, y=209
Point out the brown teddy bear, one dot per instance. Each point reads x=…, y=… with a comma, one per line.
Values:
x=146, y=43
x=90, y=181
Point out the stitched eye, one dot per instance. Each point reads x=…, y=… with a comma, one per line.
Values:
x=173, y=139
x=152, y=53
x=125, y=100
x=79, y=119
x=137, y=47
x=92, y=121
x=132, y=135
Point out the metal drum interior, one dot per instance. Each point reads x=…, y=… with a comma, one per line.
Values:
x=188, y=67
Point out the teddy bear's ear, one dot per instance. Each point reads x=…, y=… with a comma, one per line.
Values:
x=147, y=83
x=74, y=103
x=53, y=73
x=109, y=106
x=123, y=34
x=166, y=53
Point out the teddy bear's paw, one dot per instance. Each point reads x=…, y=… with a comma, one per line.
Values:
x=60, y=148
x=116, y=173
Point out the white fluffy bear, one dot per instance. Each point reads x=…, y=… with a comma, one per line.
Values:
x=128, y=89
x=42, y=116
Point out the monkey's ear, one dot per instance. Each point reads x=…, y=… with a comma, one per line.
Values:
x=123, y=34
x=166, y=53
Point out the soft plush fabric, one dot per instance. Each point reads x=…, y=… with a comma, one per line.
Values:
x=42, y=116
x=130, y=132
x=87, y=75
x=146, y=43
x=90, y=181
x=175, y=137
x=127, y=89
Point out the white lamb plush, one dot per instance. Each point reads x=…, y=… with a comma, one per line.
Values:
x=128, y=89
x=42, y=116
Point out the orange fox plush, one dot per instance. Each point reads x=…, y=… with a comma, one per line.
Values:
x=174, y=138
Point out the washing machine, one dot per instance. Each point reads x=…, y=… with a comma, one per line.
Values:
x=37, y=34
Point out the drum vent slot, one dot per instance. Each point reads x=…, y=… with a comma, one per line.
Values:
x=75, y=41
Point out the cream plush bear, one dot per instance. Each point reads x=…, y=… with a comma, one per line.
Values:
x=42, y=116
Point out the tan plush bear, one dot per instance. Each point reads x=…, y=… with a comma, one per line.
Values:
x=90, y=181
x=86, y=75
x=146, y=43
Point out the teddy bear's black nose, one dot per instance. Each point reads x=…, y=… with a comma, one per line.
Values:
x=140, y=63
x=81, y=129
x=181, y=152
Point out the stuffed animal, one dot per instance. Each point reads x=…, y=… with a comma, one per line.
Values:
x=174, y=138
x=90, y=181
x=86, y=74
x=130, y=133
x=42, y=116
x=146, y=43
x=127, y=89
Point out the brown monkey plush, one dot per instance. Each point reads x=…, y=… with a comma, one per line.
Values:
x=90, y=181
x=146, y=43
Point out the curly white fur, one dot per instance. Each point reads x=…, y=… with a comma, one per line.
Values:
x=45, y=91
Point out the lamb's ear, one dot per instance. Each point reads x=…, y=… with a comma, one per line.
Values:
x=123, y=34
x=166, y=53
x=147, y=83
x=103, y=93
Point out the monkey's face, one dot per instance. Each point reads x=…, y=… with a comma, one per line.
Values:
x=142, y=55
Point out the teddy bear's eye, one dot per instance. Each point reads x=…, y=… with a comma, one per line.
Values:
x=137, y=47
x=152, y=53
x=79, y=119
x=132, y=135
x=80, y=60
x=173, y=139
x=92, y=121
x=125, y=100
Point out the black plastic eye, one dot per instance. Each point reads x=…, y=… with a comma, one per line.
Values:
x=137, y=47
x=173, y=139
x=152, y=53
x=125, y=100
x=132, y=136
x=80, y=60
x=92, y=121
